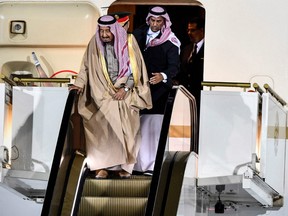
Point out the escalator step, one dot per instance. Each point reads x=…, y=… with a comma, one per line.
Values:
x=117, y=187
x=116, y=206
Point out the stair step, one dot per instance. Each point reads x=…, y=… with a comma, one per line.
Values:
x=112, y=206
x=134, y=187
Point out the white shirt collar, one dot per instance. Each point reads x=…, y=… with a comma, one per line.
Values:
x=152, y=34
x=199, y=44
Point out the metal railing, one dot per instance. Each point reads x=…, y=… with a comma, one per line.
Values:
x=25, y=81
x=274, y=94
x=17, y=81
x=258, y=88
x=226, y=84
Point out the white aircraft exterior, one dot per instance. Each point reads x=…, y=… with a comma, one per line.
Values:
x=246, y=41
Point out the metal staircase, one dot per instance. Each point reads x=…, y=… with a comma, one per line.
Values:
x=73, y=191
x=108, y=197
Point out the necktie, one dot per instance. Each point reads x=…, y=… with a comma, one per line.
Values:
x=193, y=53
x=149, y=38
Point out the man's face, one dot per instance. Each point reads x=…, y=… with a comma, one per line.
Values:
x=105, y=34
x=156, y=23
x=195, y=34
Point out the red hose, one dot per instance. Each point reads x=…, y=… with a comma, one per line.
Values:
x=63, y=71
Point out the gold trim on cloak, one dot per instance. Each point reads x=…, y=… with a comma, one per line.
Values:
x=132, y=60
x=132, y=63
x=104, y=67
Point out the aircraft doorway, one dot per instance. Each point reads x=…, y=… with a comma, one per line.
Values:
x=179, y=15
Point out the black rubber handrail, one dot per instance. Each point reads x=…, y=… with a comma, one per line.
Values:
x=174, y=185
x=163, y=140
x=160, y=153
x=46, y=209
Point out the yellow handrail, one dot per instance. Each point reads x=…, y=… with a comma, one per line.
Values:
x=8, y=80
x=274, y=94
x=258, y=88
x=33, y=80
x=226, y=84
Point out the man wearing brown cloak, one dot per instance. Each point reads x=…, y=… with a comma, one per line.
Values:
x=113, y=86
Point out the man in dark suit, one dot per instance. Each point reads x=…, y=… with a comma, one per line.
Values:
x=160, y=49
x=192, y=59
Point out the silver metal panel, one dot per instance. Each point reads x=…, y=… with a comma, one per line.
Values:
x=228, y=132
x=37, y=115
x=192, y=200
x=14, y=203
x=273, y=143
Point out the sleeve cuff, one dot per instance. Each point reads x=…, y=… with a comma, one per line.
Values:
x=164, y=77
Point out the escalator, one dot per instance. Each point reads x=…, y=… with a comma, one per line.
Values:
x=115, y=196
x=73, y=190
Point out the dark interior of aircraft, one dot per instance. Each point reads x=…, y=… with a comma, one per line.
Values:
x=179, y=16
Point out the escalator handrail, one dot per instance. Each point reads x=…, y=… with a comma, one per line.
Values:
x=160, y=153
x=194, y=119
x=58, y=152
x=173, y=190
x=163, y=140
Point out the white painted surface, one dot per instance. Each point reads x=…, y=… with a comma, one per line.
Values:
x=228, y=132
x=246, y=40
x=37, y=115
x=273, y=143
x=12, y=203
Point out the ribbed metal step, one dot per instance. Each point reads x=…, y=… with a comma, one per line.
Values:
x=109, y=197
x=135, y=187
x=112, y=206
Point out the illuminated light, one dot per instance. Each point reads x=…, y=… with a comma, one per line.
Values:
x=8, y=127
